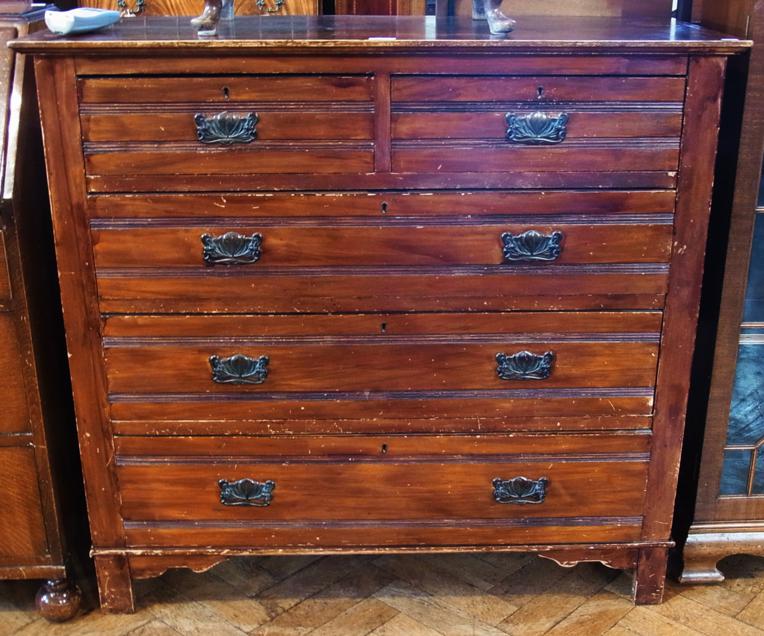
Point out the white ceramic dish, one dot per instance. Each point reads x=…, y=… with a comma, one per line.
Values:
x=82, y=20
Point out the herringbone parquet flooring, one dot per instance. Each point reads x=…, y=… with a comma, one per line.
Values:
x=453, y=595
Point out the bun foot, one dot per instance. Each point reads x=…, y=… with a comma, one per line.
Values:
x=58, y=600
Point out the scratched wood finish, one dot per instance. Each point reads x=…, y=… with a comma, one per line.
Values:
x=492, y=125
x=492, y=290
x=539, y=90
x=573, y=324
x=272, y=125
x=386, y=204
x=374, y=447
x=391, y=409
x=577, y=411
x=226, y=89
x=384, y=491
x=318, y=245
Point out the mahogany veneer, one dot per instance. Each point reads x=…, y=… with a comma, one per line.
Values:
x=328, y=291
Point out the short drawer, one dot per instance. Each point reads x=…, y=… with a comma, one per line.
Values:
x=251, y=247
x=498, y=489
x=465, y=124
x=227, y=125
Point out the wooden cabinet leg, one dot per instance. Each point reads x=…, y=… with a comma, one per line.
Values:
x=115, y=584
x=58, y=600
x=650, y=576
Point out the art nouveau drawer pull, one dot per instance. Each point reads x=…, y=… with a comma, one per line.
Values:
x=263, y=7
x=520, y=490
x=524, y=365
x=532, y=246
x=537, y=128
x=239, y=369
x=226, y=128
x=246, y=492
x=232, y=249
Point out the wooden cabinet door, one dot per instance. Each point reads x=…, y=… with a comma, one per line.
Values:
x=22, y=530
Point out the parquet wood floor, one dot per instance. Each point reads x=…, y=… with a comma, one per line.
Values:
x=452, y=595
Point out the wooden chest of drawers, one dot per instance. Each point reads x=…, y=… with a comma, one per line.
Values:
x=362, y=293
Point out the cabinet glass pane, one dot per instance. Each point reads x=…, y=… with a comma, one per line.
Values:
x=735, y=472
x=754, y=297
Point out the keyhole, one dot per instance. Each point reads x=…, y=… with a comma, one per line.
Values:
x=384, y=207
x=383, y=450
x=226, y=93
x=540, y=92
x=383, y=327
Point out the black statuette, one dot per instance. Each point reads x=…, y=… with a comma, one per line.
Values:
x=226, y=128
x=520, y=490
x=537, y=128
x=532, y=246
x=239, y=369
x=246, y=492
x=232, y=249
x=524, y=366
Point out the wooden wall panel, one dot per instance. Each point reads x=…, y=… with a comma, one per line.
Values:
x=625, y=8
x=730, y=16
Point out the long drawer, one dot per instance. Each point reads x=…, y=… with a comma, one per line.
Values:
x=386, y=372
x=499, y=479
x=353, y=245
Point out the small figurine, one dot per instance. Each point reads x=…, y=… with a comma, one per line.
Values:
x=490, y=10
x=207, y=23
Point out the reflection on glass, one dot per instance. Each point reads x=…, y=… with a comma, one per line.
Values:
x=754, y=297
x=735, y=471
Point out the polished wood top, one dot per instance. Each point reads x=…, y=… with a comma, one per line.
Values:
x=375, y=33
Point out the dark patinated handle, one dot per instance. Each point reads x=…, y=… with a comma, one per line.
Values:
x=226, y=128
x=239, y=369
x=524, y=365
x=246, y=492
x=520, y=490
x=536, y=129
x=262, y=5
x=232, y=249
x=531, y=246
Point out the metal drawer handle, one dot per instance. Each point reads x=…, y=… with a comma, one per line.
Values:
x=232, y=249
x=246, y=492
x=263, y=7
x=524, y=365
x=239, y=369
x=520, y=490
x=127, y=12
x=537, y=128
x=226, y=128
x=532, y=246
